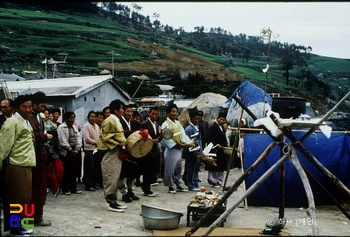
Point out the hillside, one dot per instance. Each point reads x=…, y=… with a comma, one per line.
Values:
x=98, y=40
x=164, y=60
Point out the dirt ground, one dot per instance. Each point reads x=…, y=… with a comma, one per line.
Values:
x=87, y=215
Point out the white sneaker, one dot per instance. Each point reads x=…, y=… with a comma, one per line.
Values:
x=26, y=231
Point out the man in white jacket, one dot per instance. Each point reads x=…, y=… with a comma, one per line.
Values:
x=69, y=147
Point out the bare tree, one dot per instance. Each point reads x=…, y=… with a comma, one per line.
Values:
x=135, y=9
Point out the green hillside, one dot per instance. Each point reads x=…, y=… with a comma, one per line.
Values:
x=30, y=34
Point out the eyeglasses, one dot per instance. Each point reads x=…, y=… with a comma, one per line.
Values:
x=4, y=107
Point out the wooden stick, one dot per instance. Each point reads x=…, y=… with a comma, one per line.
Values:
x=312, y=208
x=281, y=186
x=244, y=185
x=233, y=150
x=246, y=129
x=246, y=194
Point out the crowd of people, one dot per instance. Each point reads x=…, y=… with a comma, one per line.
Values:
x=31, y=137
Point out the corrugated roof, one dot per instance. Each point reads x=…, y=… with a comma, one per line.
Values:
x=10, y=77
x=165, y=87
x=74, y=86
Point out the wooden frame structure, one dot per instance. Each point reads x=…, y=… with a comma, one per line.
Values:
x=287, y=151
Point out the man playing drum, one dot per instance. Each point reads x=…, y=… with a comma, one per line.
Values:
x=129, y=171
x=110, y=142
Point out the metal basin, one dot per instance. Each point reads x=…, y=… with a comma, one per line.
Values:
x=153, y=211
x=155, y=218
x=161, y=223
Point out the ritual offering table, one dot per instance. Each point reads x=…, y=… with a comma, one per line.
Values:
x=201, y=204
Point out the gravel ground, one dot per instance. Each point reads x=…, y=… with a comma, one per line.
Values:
x=87, y=215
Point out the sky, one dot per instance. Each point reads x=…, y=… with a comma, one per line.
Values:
x=324, y=26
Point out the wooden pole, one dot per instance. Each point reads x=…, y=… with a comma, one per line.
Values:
x=311, y=210
x=281, y=186
x=233, y=150
x=246, y=129
x=244, y=185
x=233, y=188
x=246, y=194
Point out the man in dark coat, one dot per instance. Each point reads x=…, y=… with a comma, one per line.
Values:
x=216, y=135
x=39, y=172
x=203, y=126
x=151, y=163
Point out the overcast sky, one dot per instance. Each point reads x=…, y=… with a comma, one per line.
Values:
x=325, y=26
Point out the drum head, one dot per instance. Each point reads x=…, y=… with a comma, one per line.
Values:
x=137, y=146
x=167, y=133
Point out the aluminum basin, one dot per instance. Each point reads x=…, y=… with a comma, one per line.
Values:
x=161, y=223
x=152, y=211
x=155, y=218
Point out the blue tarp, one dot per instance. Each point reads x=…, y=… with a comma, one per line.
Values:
x=253, y=97
x=254, y=94
x=332, y=153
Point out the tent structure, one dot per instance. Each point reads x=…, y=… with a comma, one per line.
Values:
x=332, y=153
x=257, y=100
x=209, y=103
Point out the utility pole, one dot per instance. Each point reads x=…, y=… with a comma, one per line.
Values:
x=113, y=63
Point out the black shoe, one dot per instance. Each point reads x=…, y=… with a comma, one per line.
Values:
x=90, y=189
x=116, y=207
x=126, y=198
x=171, y=190
x=133, y=196
x=150, y=194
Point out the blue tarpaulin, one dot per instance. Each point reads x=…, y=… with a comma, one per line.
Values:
x=254, y=94
x=332, y=153
x=253, y=97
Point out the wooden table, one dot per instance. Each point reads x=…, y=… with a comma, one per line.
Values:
x=198, y=212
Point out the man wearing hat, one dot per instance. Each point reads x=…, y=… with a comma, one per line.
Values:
x=216, y=135
x=192, y=162
x=203, y=126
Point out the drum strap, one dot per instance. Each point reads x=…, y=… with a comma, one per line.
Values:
x=124, y=131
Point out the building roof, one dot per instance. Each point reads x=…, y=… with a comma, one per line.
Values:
x=10, y=77
x=74, y=86
x=165, y=87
